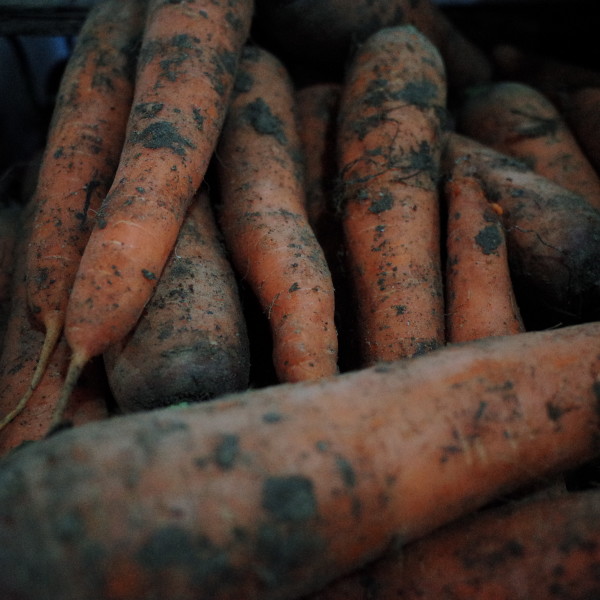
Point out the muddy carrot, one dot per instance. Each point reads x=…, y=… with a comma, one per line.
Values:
x=389, y=135
x=553, y=235
x=518, y=120
x=184, y=77
x=26, y=414
x=480, y=300
x=322, y=33
x=265, y=224
x=79, y=160
x=273, y=493
x=531, y=550
x=191, y=342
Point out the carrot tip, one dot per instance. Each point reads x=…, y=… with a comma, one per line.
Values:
x=78, y=362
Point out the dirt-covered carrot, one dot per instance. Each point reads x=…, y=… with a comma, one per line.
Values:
x=530, y=550
x=389, y=139
x=321, y=33
x=271, y=494
x=25, y=413
x=553, y=235
x=80, y=159
x=185, y=72
x=518, y=120
x=480, y=300
x=191, y=342
x=265, y=224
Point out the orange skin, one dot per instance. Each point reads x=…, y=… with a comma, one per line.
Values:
x=480, y=301
x=389, y=143
x=80, y=158
x=191, y=343
x=265, y=224
x=19, y=421
x=537, y=549
x=518, y=120
x=552, y=233
x=185, y=74
x=271, y=494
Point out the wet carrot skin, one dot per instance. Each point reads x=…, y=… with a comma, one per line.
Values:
x=272, y=494
x=171, y=135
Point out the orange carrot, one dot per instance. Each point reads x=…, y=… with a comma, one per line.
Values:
x=553, y=235
x=480, y=300
x=191, y=342
x=25, y=420
x=79, y=160
x=264, y=221
x=185, y=74
x=518, y=120
x=389, y=141
x=273, y=493
x=532, y=550
x=318, y=35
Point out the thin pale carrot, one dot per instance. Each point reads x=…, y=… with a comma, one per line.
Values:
x=389, y=144
x=185, y=72
x=265, y=224
x=191, y=342
x=520, y=121
x=273, y=493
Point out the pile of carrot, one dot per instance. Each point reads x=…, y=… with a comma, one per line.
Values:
x=286, y=330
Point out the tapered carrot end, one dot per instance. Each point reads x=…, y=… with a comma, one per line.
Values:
x=53, y=332
x=78, y=362
x=17, y=409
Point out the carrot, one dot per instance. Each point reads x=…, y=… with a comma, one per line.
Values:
x=480, y=300
x=518, y=120
x=389, y=143
x=264, y=221
x=26, y=413
x=79, y=160
x=274, y=493
x=191, y=342
x=532, y=550
x=9, y=231
x=553, y=235
x=185, y=74
x=321, y=34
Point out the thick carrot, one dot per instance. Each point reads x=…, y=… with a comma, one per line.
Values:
x=191, y=342
x=389, y=141
x=80, y=158
x=321, y=33
x=553, y=235
x=185, y=74
x=518, y=120
x=532, y=550
x=480, y=300
x=273, y=493
x=264, y=221
x=25, y=413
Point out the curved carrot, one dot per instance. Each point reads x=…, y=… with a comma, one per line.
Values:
x=532, y=550
x=191, y=343
x=480, y=300
x=186, y=68
x=274, y=493
x=553, y=235
x=389, y=143
x=264, y=221
x=518, y=120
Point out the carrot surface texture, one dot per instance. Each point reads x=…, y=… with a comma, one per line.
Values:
x=389, y=142
x=273, y=493
x=531, y=550
x=518, y=120
x=553, y=235
x=191, y=342
x=80, y=157
x=480, y=300
x=185, y=72
x=264, y=221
